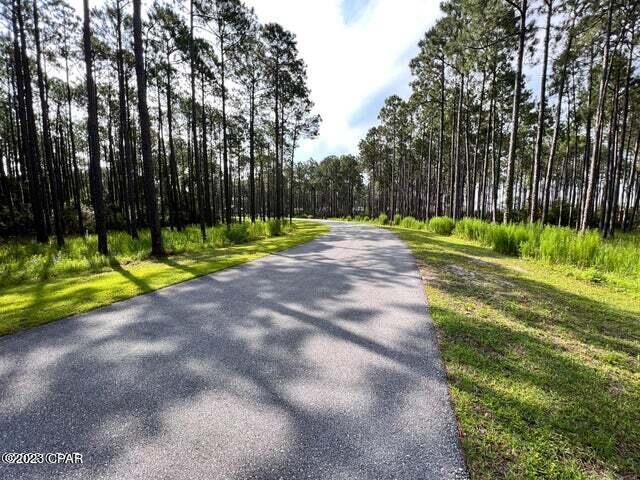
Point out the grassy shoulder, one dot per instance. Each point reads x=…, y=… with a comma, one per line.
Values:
x=30, y=303
x=543, y=365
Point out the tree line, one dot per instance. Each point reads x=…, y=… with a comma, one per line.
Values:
x=189, y=116
x=477, y=137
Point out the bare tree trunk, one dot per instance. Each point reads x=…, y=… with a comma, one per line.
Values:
x=554, y=141
x=145, y=136
x=440, y=142
x=541, y=111
x=472, y=190
x=623, y=135
x=455, y=206
x=27, y=123
x=595, y=160
x=54, y=179
x=429, y=161
x=93, y=140
x=252, y=160
x=194, y=129
x=515, y=115
x=632, y=178
x=176, y=219
x=205, y=159
x=76, y=170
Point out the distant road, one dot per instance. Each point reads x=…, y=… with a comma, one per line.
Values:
x=319, y=362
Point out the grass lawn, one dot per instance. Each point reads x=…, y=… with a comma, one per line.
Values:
x=543, y=365
x=27, y=304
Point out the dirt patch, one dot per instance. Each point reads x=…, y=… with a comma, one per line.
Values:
x=462, y=272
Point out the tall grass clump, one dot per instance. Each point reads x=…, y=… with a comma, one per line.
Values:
x=382, y=219
x=512, y=239
x=257, y=230
x=621, y=254
x=556, y=245
x=412, y=223
x=237, y=233
x=589, y=250
x=441, y=225
x=274, y=228
x=28, y=260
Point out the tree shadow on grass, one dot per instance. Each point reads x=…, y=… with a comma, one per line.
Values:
x=549, y=376
x=38, y=302
x=139, y=282
x=469, y=272
x=545, y=411
x=274, y=368
x=170, y=261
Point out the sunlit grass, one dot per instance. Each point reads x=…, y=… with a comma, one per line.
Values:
x=22, y=261
x=598, y=259
x=79, y=279
x=543, y=365
x=557, y=245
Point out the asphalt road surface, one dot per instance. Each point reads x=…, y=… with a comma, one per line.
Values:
x=319, y=362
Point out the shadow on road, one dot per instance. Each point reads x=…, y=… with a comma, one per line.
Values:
x=316, y=362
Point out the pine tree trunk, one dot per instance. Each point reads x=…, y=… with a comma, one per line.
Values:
x=595, y=157
x=27, y=123
x=554, y=141
x=46, y=136
x=176, y=214
x=252, y=160
x=194, y=129
x=145, y=136
x=440, y=141
x=93, y=139
x=515, y=115
x=541, y=113
x=123, y=133
x=623, y=135
x=205, y=159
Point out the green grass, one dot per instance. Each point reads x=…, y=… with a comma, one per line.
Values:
x=543, y=365
x=28, y=260
x=558, y=245
x=439, y=225
x=56, y=285
x=617, y=259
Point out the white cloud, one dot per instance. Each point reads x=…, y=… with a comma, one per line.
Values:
x=348, y=63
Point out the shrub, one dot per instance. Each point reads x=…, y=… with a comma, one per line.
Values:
x=382, y=219
x=274, y=228
x=553, y=244
x=412, y=223
x=513, y=239
x=396, y=220
x=257, y=230
x=238, y=233
x=441, y=225
x=29, y=260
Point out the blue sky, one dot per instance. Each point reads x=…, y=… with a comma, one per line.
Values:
x=351, y=9
x=357, y=52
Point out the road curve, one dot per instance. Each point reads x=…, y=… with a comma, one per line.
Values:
x=319, y=362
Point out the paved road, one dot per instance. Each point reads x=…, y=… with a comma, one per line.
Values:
x=319, y=362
